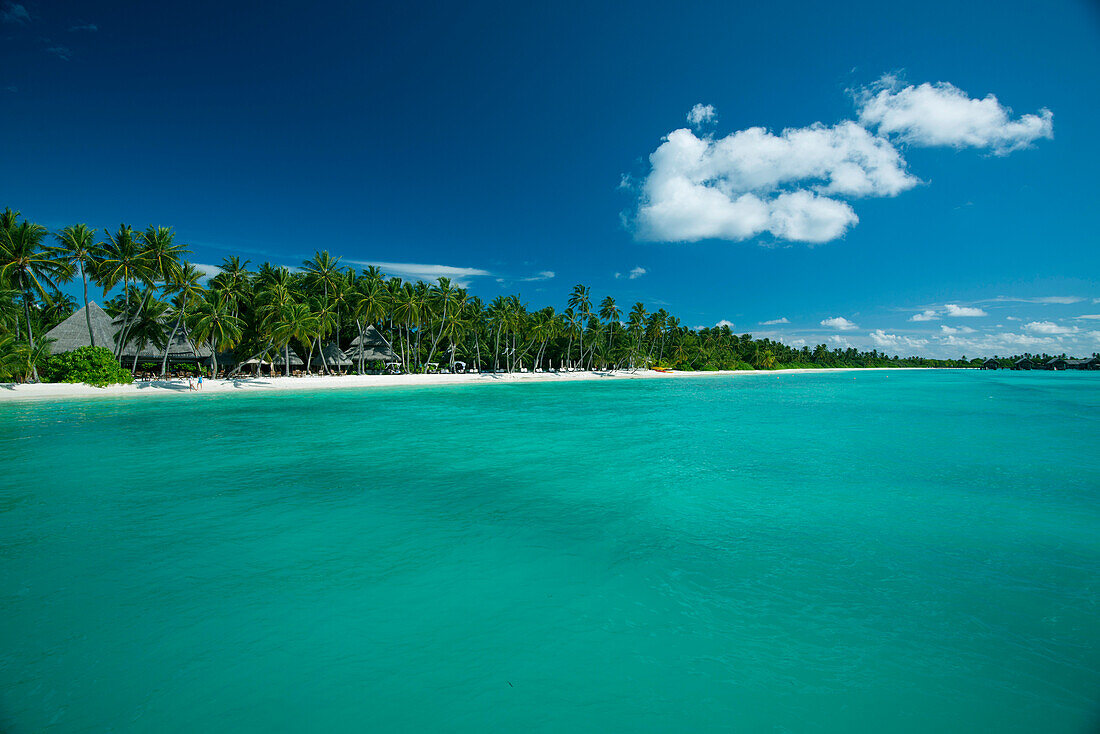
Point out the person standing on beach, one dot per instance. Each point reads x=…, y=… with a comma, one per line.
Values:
x=190, y=383
x=200, y=379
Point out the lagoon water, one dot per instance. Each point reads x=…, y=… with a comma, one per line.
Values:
x=844, y=552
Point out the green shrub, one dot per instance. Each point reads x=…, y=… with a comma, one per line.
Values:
x=92, y=365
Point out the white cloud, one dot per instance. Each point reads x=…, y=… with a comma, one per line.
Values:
x=798, y=343
x=1048, y=327
x=210, y=271
x=543, y=275
x=701, y=113
x=925, y=316
x=959, y=330
x=14, y=13
x=90, y=27
x=724, y=322
x=420, y=271
x=1046, y=300
x=840, y=341
x=1088, y=316
x=956, y=311
x=943, y=114
x=774, y=322
x=60, y=52
x=1012, y=318
x=894, y=341
x=734, y=188
x=839, y=323
x=793, y=184
x=634, y=274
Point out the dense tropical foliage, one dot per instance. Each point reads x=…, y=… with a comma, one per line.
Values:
x=267, y=312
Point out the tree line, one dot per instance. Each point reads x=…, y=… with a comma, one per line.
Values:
x=266, y=312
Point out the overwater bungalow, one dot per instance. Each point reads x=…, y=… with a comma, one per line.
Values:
x=991, y=364
x=1024, y=363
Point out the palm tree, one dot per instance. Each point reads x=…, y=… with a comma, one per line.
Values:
x=76, y=246
x=609, y=313
x=580, y=301
x=214, y=324
x=185, y=289
x=123, y=261
x=27, y=266
x=444, y=294
x=369, y=303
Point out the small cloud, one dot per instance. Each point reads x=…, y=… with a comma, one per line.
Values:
x=14, y=13
x=1088, y=316
x=840, y=342
x=1045, y=300
x=894, y=341
x=952, y=330
x=428, y=272
x=11, y=88
x=775, y=322
x=839, y=323
x=89, y=27
x=210, y=271
x=544, y=275
x=1011, y=318
x=1048, y=327
x=724, y=322
x=956, y=311
x=62, y=52
x=634, y=274
x=925, y=316
x=700, y=114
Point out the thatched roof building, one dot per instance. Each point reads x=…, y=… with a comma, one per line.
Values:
x=372, y=347
x=334, y=357
x=72, y=333
x=179, y=350
x=295, y=360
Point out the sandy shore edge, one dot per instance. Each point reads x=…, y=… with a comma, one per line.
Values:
x=10, y=391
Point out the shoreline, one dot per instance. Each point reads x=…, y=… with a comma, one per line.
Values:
x=61, y=390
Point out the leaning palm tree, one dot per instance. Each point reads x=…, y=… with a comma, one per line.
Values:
x=214, y=324
x=185, y=289
x=28, y=267
x=76, y=246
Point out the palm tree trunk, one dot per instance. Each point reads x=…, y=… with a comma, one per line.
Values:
x=87, y=316
x=30, y=336
x=168, y=345
x=286, y=356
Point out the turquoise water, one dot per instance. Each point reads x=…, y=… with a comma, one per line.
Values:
x=851, y=552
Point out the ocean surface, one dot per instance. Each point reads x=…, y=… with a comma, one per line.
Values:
x=845, y=552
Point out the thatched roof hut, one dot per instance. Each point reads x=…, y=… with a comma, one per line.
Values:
x=371, y=347
x=334, y=357
x=72, y=333
x=295, y=360
x=179, y=350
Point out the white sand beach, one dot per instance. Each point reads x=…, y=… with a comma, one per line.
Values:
x=177, y=387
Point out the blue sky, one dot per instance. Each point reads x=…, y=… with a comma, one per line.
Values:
x=527, y=148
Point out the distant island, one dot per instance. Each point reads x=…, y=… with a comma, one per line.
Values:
x=169, y=317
